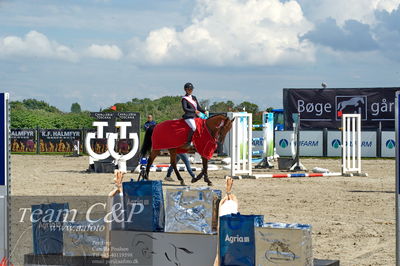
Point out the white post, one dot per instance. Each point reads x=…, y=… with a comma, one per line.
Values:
x=351, y=144
x=4, y=176
x=249, y=144
x=241, y=144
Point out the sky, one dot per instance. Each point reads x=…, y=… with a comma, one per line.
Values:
x=101, y=52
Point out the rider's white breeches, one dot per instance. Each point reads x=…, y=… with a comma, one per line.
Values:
x=191, y=123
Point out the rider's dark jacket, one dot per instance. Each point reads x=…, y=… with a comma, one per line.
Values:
x=189, y=109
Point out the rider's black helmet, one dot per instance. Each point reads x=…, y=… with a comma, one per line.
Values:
x=188, y=86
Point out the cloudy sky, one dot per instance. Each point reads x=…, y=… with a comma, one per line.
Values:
x=99, y=52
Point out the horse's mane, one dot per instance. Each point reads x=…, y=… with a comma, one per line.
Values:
x=213, y=116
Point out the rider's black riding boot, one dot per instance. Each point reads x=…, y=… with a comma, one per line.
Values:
x=188, y=145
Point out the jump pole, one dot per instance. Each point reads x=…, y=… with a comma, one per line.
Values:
x=5, y=191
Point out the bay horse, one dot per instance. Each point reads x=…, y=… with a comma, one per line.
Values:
x=214, y=129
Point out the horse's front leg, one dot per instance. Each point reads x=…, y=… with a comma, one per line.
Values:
x=197, y=178
x=202, y=173
x=173, y=155
x=205, y=171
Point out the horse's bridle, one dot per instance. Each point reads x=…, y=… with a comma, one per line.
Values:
x=218, y=130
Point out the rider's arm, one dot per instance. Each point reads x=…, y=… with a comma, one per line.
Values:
x=199, y=107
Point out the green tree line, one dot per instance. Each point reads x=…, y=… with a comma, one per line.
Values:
x=31, y=113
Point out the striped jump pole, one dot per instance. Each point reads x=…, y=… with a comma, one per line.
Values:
x=180, y=167
x=299, y=175
x=258, y=152
x=258, y=126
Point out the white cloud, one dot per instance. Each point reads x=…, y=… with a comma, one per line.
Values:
x=388, y=5
x=35, y=44
x=232, y=32
x=104, y=51
x=342, y=10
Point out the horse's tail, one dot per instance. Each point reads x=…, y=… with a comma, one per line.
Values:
x=146, y=147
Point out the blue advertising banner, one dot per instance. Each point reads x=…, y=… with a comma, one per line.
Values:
x=4, y=178
x=3, y=141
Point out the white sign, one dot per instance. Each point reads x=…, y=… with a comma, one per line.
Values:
x=368, y=144
x=388, y=148
x=311, y=143
x=283, y=143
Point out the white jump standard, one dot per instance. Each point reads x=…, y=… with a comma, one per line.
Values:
x=351, y=145
x=242, y=155
x=241, y=144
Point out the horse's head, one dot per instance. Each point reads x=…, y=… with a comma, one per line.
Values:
x=219, y=126
x=225, y=129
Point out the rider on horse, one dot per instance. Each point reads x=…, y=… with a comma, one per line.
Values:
x=192, y=108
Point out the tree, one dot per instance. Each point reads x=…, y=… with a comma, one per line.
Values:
x=75, y=108
x=222, y=106
x=31, y=113
x=205, y=104
x=248, y=106
x=32, y=104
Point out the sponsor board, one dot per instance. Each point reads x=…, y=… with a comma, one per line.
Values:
x=388, y=148
x=320, y=108
x=58, y=140
x=368, y=144
x=311, y=143
x=23, y=140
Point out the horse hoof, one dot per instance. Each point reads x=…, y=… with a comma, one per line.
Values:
x=183, y=183
x=194, y=180
x=210, y=184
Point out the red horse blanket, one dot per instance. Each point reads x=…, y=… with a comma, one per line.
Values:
x=172, y=134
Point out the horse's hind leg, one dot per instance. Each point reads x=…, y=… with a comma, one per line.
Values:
x=152, y=157
x=173, y=154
